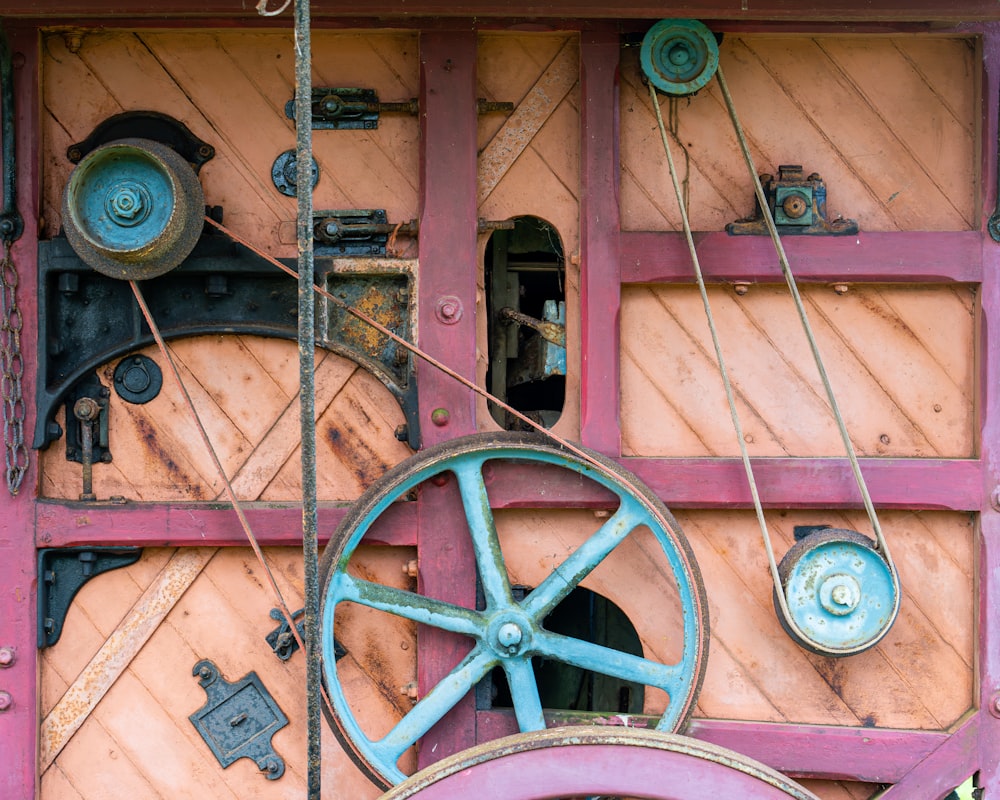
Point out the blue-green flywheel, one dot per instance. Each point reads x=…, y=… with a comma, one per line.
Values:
x=133, y=209
x=842, y=595
x=679, y=56
x=458, y=483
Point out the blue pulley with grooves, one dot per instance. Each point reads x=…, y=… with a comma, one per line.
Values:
x=842, y=595
x=679, y=56
x=133, y=209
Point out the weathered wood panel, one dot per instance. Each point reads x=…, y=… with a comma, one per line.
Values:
x=920, y=676
x=230, y=89
x=900, y=360
x=891, y=124
x=159, y=455
x=530, y=164
x=223, y=616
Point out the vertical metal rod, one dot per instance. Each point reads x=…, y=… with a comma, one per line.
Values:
x=11, y=224
x=307, y=365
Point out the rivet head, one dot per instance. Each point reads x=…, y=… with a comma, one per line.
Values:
x=440, y=417
x=6, y=701
x=995, y=705
x=6, y=656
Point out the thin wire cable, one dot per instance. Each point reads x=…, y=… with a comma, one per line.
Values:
x=800, y=307
x=230, y=492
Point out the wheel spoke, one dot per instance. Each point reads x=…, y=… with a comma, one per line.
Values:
x=524, y=692
x=410, y=605
x=607, y=661
x=482, y=529
x=434, y=705
x=584, y=559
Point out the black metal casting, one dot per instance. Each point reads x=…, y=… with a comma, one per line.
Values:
x=138, y=379
x=798, y=206
x=356, y=232
x=88, y=386
x=11, y=223
x=239, y=719
x=284, y=173
x=145, y=125
x=87, y=319
x=349, y=109
x=61, y=573
x=284, y=644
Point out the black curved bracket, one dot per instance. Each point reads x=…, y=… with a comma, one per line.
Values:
x=61, y=573
x=87, y=319
x=145, y=125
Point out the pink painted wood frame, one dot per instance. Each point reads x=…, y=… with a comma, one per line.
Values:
x=600, y=282
x=448, y=269
x=833, y=10
x=18, y=579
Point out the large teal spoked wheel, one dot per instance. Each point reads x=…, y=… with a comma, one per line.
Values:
x=133, y=209
x=507, y=632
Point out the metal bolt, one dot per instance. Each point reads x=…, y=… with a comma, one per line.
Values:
x=410, y=568
x=741, y=287
x=409, y=690
x=884, y=438
x=440, y=417
x=995, y=705
x=6, y=701
x=841, y=288
x=449, y=309
x=510, y=636
x=6, y=657
x=86, y=409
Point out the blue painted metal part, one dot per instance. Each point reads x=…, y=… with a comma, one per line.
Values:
x=840, y=592
x=679, y=56
x=554, y=355
x=133, y=209
x=508, y=633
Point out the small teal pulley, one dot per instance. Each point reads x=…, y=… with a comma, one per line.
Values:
x=842, y=595
x=133, y=209
x=679, y=56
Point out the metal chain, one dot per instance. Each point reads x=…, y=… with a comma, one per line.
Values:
x=12, y=371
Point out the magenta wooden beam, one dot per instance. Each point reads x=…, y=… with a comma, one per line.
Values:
x=838, y=10
x=449, y=270
x=908, y=257
x=18, y=577
x=876, y=755
x=950, y=765
x=988, y=649
x=600, y=282
x=194, y=525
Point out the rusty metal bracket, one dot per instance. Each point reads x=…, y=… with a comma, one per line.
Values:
x=356, y=232
x=340, y=109
x=284, y=644
x=239, y=719
x=87, y=319
x=798, y=206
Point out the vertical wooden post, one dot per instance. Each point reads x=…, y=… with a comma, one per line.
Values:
x=447, y=330
x=989, y=418
x=18, y=580
x=600, y=269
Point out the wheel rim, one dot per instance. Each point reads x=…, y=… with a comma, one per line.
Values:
x=574, y=762
x=508, y=633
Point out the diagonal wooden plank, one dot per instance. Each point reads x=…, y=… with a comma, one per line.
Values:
x=118, y=651
x=528, y=118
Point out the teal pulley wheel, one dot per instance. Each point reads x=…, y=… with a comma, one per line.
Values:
x=133, y=209
x=842, y=596
x=679, y=56
x=508, y=631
